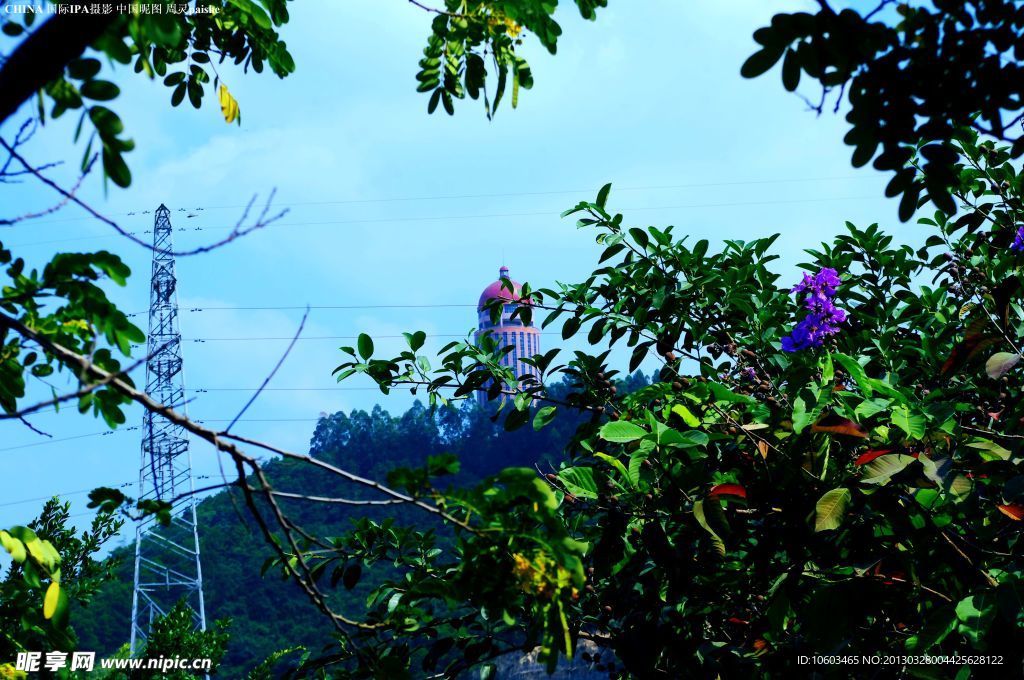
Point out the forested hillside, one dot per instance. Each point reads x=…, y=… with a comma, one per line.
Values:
x=269, y=614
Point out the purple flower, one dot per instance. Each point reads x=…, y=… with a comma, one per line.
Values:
x=749, y=373
x=1018, y=241
x=823, y=317
x=823, y=284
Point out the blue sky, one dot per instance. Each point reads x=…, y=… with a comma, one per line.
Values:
x=649, y=97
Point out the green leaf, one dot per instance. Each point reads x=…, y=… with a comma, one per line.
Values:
x=636, y=461
x=615, y=463
x=801, y=416
x=674, y=438
x=255, y=11
x=1000, y=363
x=760, y=62
x=352, y=573
x=365, y=346
x=713, y=510
x=882, y=468
x=856, y=371
x=871, y=407
x=415, y=340
x=686, y=415
x=937, y=627
x=723, y=393
x=791, y=71
x=100, y=90
x=115, y=168
x=579, y=481
x=990, y=450
x=830, y=510
x=621, y=432
x=975, y=614
x=83, y=69
x=544, y=416
x=915, y=425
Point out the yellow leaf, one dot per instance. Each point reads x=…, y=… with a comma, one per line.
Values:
x=35, y=549
x=229, y=106
x=13, y=546
x=51, y=599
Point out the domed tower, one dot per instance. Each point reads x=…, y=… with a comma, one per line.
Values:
x=523, y=338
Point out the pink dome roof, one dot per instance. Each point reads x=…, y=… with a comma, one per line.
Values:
x=497, y=290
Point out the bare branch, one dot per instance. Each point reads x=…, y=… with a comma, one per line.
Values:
x=339, y=501
x=345, y=474
x=33, y=427
x=238, y=231
x=272, y=373
x=434, y=10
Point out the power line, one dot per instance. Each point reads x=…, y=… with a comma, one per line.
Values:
x=333, y=337
x=260, y=420
x=129, y=429
x=407, y=199
x=436, y=218
x=65, y=494
x=200, y=390
x=67, y=439
x=368, y=306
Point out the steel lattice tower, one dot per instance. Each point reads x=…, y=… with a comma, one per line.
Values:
x=167, y=566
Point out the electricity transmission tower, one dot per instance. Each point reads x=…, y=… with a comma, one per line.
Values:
x=167, y=565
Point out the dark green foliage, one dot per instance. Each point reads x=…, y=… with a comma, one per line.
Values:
x=915, y=73
x=175, y=47
x=862, y=496
x=65, y=305
x=470, y=38
x=174, y=635
x=52, y=567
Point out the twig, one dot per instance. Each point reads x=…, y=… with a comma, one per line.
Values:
x=32, y=427
x=8, y=221
x=238, y=231
x=272, y=373
x=91, y=387
x=340, y=501
x=434, y=10
x=345, y=474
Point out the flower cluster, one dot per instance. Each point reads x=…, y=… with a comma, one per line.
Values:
x=1018, y=241
x=823, y=316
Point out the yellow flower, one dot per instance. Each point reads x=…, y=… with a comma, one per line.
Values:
x=7, y=671
x=511, y=27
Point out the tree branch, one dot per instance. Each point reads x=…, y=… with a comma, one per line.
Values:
x=42, y=56
x=238, y=231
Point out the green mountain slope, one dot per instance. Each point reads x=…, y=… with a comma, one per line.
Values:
x=269, y=613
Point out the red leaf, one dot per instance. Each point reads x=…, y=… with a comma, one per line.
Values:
x=727, y=490
x=839, y=425
x=975, y=340
x=869, y=456
x=1014, y=511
